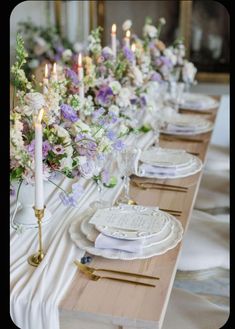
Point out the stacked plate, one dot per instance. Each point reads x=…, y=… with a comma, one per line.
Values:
x=126, y=232
x=164, y=163
x=198, y=102
x=185, y=124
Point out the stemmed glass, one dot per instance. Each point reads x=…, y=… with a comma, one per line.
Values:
x=176, y=94
x=99, y=163
x=127, y=164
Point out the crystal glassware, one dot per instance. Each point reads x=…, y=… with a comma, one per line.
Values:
x=127, y=160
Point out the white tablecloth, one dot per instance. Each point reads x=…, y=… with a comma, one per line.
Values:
x=36, y=292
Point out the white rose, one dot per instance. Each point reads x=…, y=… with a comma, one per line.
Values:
x=115, y=86
x=33, y=64
x=114, y=109
x=127, y=25
x=61, y=132
x=67, y=54
x=78, y=47
x=34, y=100
x=66, y=163
x=168, y=52
x=150, y=30
x=138, y=77
x=123, y=99
x=40, y=47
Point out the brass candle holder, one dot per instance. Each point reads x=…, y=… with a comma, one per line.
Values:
x=36, y=259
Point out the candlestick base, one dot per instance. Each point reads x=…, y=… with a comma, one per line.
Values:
x=36, y=259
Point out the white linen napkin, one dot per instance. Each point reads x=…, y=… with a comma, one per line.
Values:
x=175, y=127
x=106, y=242
x=147, y=168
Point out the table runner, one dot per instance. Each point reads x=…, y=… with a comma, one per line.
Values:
x=35, y=293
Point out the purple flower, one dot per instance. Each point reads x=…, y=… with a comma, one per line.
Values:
x=85, y=145
x=156, y=77
x=68, y=112
x=77, y=189
x=58, y=149
x=106, y=53
x=96, y=114
x=143, y=101
x=87, y=169
x=113, y=117
x=12, y=191
x=46, y=147
x=104, y=95
x=118, y=145
x=164, y=61
x=71, y=75
x=128, y=53
x=30, y=148
x=105, y=176
x=68, y=200
x=111, y=135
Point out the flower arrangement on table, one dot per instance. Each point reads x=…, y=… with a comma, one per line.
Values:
x=45, y=44
x=70, y=145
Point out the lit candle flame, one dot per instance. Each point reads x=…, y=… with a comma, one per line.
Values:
x=133, y=47
x=54, y=69
x=80, y=60
x=114, y=29
x=46, y=71
x=40, y=115
x=128, y=34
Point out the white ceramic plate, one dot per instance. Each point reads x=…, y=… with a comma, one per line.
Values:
x=194, y=167
x=157, y=249
x=163, y=157
x=130, y=223
x=91, y=233
x=198, y=102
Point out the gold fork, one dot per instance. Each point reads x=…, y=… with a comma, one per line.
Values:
x=91, y=270
x=94, y=277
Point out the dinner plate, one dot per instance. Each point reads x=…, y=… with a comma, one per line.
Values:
x=196, y=102
x=129, y=223
x=91, y=233
x=194, y=167
x=163, y=157
x=157, y=249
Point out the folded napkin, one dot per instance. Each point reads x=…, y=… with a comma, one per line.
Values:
x=147, y=168
x=106, y=242
x=175, y=127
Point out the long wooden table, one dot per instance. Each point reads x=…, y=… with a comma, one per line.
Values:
x=106, y=304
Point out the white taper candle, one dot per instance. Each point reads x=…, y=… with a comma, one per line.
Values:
x=114, y=40
x=80, y=76
x=39, y=197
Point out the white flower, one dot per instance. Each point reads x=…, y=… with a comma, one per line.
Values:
x=114, y=109
x=150, y=31
x=189, y=72
x=105, y=145
x=127, y=25
x=34, y=100
x=61, y=132
x=66, y=163
x=115, y=86
x=78, y=47
x=123, y=99
x=33, y=63
x=162, y=21
x=123, y=129
x=97, y=132
x=82, y=126
x=168, y=52
x=40, y=47
x=67, y=54
x=137, y=75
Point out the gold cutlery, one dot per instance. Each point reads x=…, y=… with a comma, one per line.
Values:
x=91, y=270
x=149, y=185
x=195, y=112
x=94, y=277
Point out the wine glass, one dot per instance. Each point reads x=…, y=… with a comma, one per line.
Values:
x=127, y=163
x=176, y=94
x=99, y=163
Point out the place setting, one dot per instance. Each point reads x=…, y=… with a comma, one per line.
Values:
x=198, y=102
x=126, y=232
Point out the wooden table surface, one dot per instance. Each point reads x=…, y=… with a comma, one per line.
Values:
x=108, y=304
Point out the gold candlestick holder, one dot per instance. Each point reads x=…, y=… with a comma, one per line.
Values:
x=36, y=259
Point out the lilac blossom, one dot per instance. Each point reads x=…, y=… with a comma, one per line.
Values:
x=77, y=189
x=85, y=145
x=68, y=112
x=103, y=96
x=97, y=114
x=105, y=176
x=68, y=200
x=118, y=145
x=71, y=75
x=128, y=53
x=31, y=147
x=46, y=147
x=156, y=77
x=164, y=61
x=133, y=101
x=143, y=101
x=111, y=135
x=106, y=53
